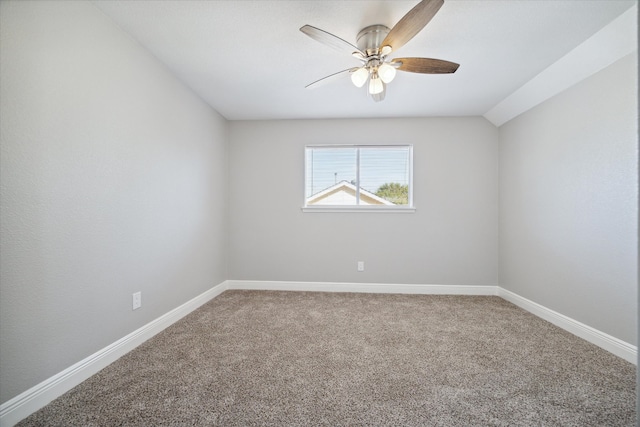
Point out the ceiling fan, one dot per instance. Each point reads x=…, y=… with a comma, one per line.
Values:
x=376, y=42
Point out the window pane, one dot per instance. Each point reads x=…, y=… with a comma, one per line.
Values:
x=331, y=176
x=358, y=175
x=384, y=172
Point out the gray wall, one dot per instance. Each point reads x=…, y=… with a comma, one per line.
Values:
x=113, y=180
x=569, y=202
x=451, y=239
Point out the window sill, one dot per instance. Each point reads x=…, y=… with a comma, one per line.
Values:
x=345, y=209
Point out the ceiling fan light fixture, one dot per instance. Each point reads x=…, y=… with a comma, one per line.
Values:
x=375, y=84
x=377, y=97
x=360, y=76
x=386, y=72
x=375, y=43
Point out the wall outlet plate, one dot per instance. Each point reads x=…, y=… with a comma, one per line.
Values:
x=360, y=265
x=137, y=300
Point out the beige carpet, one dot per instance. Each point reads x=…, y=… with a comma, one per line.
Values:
x=301, y=358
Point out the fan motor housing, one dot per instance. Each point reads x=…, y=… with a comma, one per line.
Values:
x=370, y=38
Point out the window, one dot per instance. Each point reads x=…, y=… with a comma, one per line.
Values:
x=359, y=177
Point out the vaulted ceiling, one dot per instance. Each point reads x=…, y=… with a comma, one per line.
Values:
x=249, y=60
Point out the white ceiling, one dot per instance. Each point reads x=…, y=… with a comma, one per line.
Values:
x=249, y=60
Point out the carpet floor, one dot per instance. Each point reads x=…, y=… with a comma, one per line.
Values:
x=273, y=358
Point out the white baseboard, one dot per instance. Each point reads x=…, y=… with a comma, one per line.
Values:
x=39, y=395
x=613, y=345
x=373, y=288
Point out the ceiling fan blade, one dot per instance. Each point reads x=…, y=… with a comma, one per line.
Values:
x=330, y=40
x=411, y=23
x=330, y=78
x=426, y=65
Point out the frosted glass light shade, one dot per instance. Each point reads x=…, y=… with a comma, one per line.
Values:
x=375, y=85
x=386, y=72
x=360, y=76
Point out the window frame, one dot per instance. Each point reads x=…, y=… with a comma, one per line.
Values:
x=409, y=208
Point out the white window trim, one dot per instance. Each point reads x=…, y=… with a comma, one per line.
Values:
x=361, y=208
x=343, y=209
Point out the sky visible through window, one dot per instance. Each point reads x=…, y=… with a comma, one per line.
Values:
x=378, y=165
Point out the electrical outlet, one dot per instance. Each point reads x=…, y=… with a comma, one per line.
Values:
x=360, y=265
x=137, y=300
